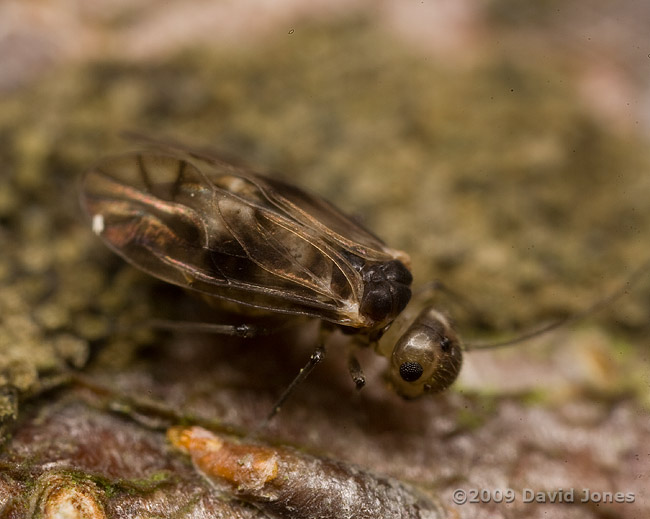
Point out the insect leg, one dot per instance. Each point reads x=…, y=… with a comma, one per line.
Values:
x=356, y=372
x=245, y=330
x=315, y=359
x=354, y=368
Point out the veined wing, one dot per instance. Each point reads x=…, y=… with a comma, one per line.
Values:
x=209, y=226
x=310, y=211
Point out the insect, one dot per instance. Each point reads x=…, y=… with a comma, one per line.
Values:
x=266, y=247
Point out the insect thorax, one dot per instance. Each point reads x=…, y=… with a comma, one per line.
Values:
x=386, y=291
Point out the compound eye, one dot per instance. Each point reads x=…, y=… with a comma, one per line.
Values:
x=410, y=371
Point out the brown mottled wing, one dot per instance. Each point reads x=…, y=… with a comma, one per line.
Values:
x=312, y=212
x=321, y=216
x=220, y=230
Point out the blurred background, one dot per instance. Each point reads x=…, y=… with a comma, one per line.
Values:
x=503, y=145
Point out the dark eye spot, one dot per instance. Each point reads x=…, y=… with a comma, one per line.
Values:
x=410, y=371
x=445, y=344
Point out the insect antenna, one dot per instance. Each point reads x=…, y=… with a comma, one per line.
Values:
x=621, y=291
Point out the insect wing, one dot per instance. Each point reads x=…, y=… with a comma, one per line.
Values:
x=216, y=230
x=323, y=217
x=310, y=211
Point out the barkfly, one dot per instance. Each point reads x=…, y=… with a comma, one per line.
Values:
x=192, y=219
x=266, y=247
